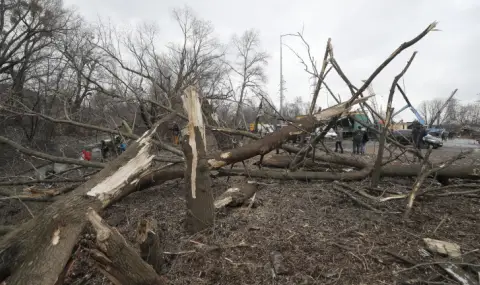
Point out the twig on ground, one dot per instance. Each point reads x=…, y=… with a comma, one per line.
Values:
x=363, y=204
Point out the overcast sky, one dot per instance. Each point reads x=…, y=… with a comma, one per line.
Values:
x=363, y=32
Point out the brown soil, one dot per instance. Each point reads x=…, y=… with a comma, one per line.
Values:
x=324, y=236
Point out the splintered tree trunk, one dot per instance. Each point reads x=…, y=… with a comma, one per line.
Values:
x=200, y=211
x=118, y=260
x=37, y=251
x=151, y=249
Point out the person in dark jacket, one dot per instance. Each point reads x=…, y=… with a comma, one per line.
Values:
x=339, y=139
x=176, y=133
x=416, y=136
x=418, y=133
x=357, y=140
x=365, y=139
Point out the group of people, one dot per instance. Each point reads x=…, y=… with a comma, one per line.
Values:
x=418, y=133
x=360, y=139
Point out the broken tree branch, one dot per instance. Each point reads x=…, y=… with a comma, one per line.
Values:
x=424, y=173
x=366, y=83
x=320, y=78
x=379, y=160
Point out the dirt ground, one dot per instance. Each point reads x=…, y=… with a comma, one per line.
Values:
x=324, y=236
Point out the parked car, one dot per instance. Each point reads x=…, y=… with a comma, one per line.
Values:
x=331, y=134
x=433, y=141
x=405, y=137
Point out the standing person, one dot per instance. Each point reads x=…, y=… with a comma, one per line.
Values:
x=417, y=136
x=365, y=139
x=357, y=140
x=339, y=139
x=444, y=136
x=175, y=133
x=104, y=149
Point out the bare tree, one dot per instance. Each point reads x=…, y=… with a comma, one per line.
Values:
x=249, y=67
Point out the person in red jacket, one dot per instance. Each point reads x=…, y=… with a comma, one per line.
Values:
x=86, y=155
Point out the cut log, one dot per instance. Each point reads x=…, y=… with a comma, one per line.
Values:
x=236, y=195
x=454, y=171
x=283, y=161
x=116, y=259
x=148, y=240
x=39, y=249
x=299, y=175
x=407, y=170
x=200, y=211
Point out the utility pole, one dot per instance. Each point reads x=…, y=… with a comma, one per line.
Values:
x=281, y=77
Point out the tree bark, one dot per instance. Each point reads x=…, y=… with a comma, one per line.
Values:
x=283, y=161
x=39, y=249
x=454, y=171
x=200, y=211
x=116, y=259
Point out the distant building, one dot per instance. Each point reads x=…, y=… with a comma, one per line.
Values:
x=400, y=126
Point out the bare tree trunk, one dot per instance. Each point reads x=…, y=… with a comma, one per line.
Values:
x=200, y=211
x=320, y=78
x=381, y=146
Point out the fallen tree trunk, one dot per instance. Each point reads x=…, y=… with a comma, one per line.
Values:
x=283, y=161
x=39, y=249
x=453, y=171
x=273, y=140
x=116, y=259
x=299, y=175
x=408, y=170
